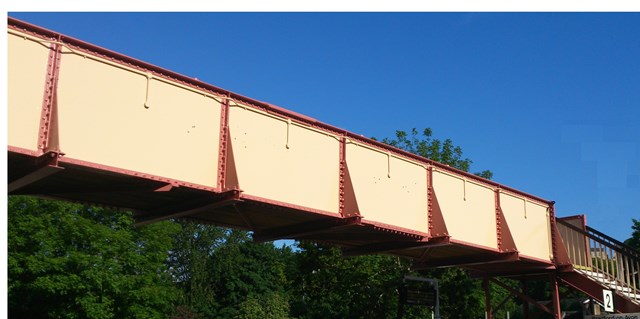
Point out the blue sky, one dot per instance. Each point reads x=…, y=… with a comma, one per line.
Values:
x=550, y=102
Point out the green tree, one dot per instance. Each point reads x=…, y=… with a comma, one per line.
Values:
x=272, y=306
x=331, y=286
x=224, y=274
x=189, y=261
x=73, y=261
x=241, y=269
x=634, y=241
x=440, y=151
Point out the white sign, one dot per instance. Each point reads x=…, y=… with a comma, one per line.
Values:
x=616, y=316
x=607, y=300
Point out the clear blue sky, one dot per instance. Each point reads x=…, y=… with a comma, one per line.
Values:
x=550, y=102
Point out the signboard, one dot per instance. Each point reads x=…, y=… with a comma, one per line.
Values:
x=418, y=291
x=424, y=295
x=635, y=315
x=607, y=300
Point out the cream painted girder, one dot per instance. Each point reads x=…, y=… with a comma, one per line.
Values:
x=114, y=115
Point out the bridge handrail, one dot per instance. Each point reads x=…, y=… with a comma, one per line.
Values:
x=602, y=258
x=603, y=239
x=613, y=242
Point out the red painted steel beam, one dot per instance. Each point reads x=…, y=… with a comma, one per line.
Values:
x=478, y=259
x=304, y=229
x=594, y=289
x=383, y=247
x=555, y=295
x=183, y=210
x=43, y=166
x=103, y=189
x=528, y=271
x=521, y=295
x=32, y=177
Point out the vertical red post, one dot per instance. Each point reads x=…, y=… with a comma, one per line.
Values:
x=437, y=226
x=555, y=296
x=348, y=203
x=560, y=255
x=223, y=146
x=487, y=298
x=48, y=136
x=525, y=304
x=343, y=167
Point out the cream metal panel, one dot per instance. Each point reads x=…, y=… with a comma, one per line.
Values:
x=529, y=225
x=26, y=80
x=284, y=161
x=468, y=209
x=103, y=119
x=388, y=189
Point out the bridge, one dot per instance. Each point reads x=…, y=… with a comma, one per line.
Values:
x=87, y=124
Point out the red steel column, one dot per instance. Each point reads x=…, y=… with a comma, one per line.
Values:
x=487, y=298
x=525, y=304
x=223, y=148
x=560, y=256
x=48, y=134
x=348, y=203
x=555, y=296
x=342, y=174
x=437, y=226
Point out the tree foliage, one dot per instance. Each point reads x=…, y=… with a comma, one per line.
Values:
x=72, y=261
x=425, y=145
x=634, y=241
x=329, y=285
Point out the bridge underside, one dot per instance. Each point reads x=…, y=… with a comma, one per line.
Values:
x=154, y=200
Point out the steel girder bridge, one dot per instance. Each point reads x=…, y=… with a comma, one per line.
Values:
x=87, y=124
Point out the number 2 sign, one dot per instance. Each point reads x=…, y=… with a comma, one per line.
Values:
x=607, y=300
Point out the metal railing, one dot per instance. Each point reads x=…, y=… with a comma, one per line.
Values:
x=602, y=258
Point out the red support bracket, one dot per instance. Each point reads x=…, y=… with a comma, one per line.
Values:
x=348, y=206
x=304, y=229
x=227, y=174
x=560, y=256
x=505, y=239
x=45, y=165
x=48, y=137
x=437, y=226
